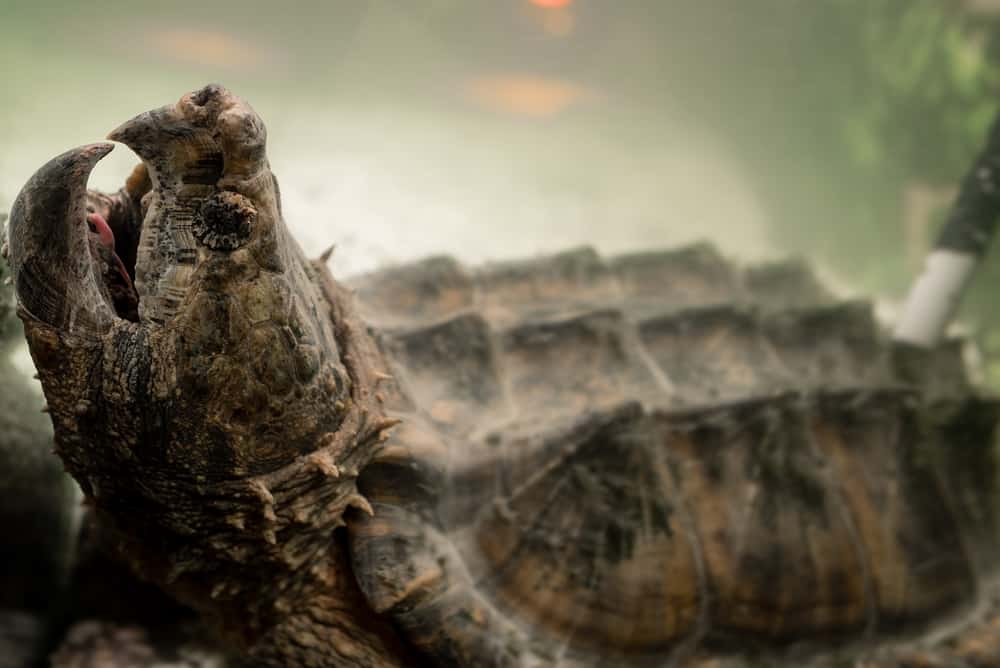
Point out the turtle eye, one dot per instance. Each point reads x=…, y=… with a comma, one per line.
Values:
x=91, y=226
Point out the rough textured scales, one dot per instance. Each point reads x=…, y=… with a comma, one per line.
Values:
x=650, y=460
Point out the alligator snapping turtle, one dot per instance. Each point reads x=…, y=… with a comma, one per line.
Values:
x=565, y=461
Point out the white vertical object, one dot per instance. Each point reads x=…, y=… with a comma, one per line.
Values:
x=934, y=297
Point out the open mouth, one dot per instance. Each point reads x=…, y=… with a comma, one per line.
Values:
x=77, y=257
x=114, y=224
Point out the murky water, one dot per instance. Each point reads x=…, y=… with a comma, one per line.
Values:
x=384, y=143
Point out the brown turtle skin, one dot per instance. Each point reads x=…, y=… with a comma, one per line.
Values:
x=648, y=461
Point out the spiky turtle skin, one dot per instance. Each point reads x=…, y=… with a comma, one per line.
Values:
x=653, y=460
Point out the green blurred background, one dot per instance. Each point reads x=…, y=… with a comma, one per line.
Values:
x=835, y=129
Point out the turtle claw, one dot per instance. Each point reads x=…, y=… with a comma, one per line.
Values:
x=57, y=278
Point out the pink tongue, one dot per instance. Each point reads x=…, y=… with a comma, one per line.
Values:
x=104, y=233
x=106, y=237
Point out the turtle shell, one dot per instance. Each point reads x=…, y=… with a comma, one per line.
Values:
x=662, y=457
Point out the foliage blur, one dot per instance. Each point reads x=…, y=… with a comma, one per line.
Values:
x=894, y=97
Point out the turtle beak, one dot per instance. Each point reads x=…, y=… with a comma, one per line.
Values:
x=145, y=134
x=210, y=137
x=173, y=147
x=212, y=191
x=50, y=255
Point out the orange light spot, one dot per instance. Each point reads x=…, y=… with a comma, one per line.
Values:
x=205, y=47
x=526, y=94
x=558, y=24
x=552, y=4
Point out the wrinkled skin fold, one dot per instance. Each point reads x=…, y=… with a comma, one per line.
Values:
x=216, y=414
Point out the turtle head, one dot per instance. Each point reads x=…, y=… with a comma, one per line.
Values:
x=179, y=333
x=210, y=388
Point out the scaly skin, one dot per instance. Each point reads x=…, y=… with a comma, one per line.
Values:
x=219, y=430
